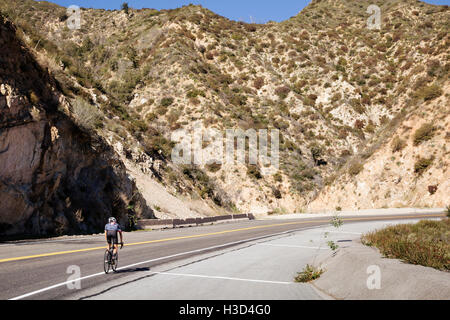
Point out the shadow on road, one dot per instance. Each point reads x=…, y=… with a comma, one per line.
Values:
x=133, y=270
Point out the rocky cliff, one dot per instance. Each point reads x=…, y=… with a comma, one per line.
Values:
x=54, y=177
x=410, y=168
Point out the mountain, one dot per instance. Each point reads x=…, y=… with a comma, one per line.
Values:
x=339, y=93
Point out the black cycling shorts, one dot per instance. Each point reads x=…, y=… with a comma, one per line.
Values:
x=112, y=238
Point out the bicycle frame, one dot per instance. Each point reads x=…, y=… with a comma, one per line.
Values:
x=109, y=262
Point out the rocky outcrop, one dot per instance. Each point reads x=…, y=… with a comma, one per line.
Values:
x=55, y=178
x=389, y=178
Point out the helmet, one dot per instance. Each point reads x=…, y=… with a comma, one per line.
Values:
x=112, y=219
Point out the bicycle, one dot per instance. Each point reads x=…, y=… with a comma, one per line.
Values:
x=109, y=260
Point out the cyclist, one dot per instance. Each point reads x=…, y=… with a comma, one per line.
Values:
x=111, y=230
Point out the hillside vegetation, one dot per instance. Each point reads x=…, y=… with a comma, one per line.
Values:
x=349, y=102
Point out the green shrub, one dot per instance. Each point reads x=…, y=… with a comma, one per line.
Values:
x=125, y=7
x=308, y=274
x=63, y=17
x=357, y=106
x=282, y=92
x=277, y=177
x=316, y=151
x=281, y=124
x=202, y=182
x=165, y=102
x=309, y=173
x=429, y=92
x=195, y=93
x=161, y=110
x=422, y=165
x=336, y=97
x=156, y=142
x=139, y=125
x=370, y=127
x=238, y=100
x=237, y=36
x=253, y=171
x=299, y=85
x=213, y=167
x=424, y=133
x=277, y=193
x=151, y=116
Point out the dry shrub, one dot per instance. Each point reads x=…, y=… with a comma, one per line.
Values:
x=422, y=165
x=425, y=243
x=424, y=133
x=398, y=144
x=86, y=116
x=355, y=168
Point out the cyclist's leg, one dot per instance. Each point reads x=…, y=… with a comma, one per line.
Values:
x=116, y=244
x=108, y=240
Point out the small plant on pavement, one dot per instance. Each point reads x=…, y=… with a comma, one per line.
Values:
x=333, y=246
x=336, y=222
x=308, y=274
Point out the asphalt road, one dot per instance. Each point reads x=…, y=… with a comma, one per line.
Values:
x=42, y=269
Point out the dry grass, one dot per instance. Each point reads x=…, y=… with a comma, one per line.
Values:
x=398, y=144
x=426, y=243
x=355, y=168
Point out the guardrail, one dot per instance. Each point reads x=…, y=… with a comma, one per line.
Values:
x=151, y=224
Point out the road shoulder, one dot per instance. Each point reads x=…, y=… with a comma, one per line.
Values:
x=357, y=267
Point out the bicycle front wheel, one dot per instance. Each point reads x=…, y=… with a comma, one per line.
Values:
x=107, y=261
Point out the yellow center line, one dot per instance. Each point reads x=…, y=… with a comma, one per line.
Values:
x=209, y=234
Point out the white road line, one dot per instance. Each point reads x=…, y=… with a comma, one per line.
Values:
x=55, y=286
x=290, y=246
x=220, y=278
x=153, y=260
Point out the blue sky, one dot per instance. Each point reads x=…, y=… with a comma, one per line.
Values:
x=259, y=11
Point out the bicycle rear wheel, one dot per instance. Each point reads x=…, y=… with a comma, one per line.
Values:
x=107, y=261
x=115, y=261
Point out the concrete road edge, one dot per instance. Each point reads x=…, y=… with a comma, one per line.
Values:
x=353, y=269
